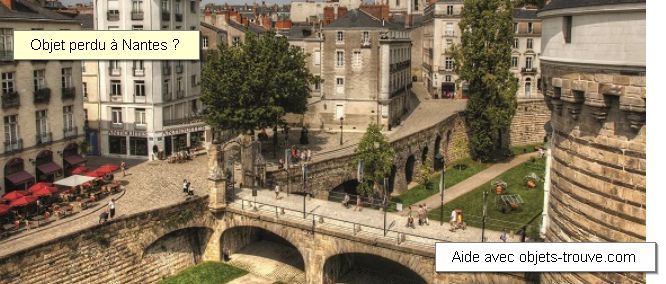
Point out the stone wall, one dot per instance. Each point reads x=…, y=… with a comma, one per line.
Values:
x=527, y=126
x=140, y=248
x=598, y=171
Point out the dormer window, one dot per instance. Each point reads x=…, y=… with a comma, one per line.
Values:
x=340, y=37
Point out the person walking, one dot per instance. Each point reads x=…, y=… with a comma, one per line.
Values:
x=185, y=185
x=358, y=203
x=345, y=200
x=503, y=236
x=103, y=217
x=419, y=214
x=425, y=213
x=277, y=191
x=123, y=166
x=112, y=209
x=452, y=222
x=309, y=155
x=156, y=150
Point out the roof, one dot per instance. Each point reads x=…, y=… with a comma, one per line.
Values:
x=29, y=10
x=211, y=27
x=566, y=4
x=359, y=19
x=251, y=27
x=298, y=32
x=523, y=13
x=86, y=21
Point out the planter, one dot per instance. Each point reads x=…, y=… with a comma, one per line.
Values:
x=531, y=183
x=499, y=189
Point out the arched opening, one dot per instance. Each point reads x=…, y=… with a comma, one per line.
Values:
x=347, y=187
x=71, y=158
x=45, y=168
x=528, y=87
x=16, y=178
x=437, y=158
x=184, y=247
x=365, y=268
x=263, y=253
x=409, y=169
x=424, y=154
x=394, y=171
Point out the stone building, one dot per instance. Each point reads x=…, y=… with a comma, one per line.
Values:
x=525, y=53
x=149, y=103
x=364, y=64
x=42, y=107
x=593, y=74
x=230, y=22
x=305, y=11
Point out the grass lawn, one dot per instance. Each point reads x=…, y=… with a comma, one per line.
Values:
x=472, y=202
x=518, y=150
x=209, y=272
x=455, y=173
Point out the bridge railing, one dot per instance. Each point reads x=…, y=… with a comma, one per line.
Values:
x=323, y=221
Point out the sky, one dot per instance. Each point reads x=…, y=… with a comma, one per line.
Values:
x=204, y=2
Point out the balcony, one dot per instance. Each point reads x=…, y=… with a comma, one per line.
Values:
x=114, y=125
x=528, y=71
x=179, y=69
x=449, y=34
x=68, y=93
x=112, y=15
x=13, y=145
x=181, y=121
x=365, y=44
x=42, y=96
x=114, y=71
x=140, y=126
x=166, y=70
x=70, y=132
x=6, y=55
x=137, y=15
x=139, y=72
x=180, y=94
x=166, y=96
x=166, y=16
x=10, y=100
x=116, y=97
x=179, y=17
x=43, y=138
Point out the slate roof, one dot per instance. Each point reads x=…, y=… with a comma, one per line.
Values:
x=86, y=21
x=358, y=19
x=298, y=32
x=26, y=9
x=211, y=27
x=565, y=4
x=526, y=14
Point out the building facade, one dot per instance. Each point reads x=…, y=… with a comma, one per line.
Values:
x=440, y=33
x=525, y=53
x=42, y=107
x=593, y=62
x=303, y=11
x=143, y=104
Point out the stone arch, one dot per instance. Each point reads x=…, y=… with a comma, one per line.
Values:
x=337, y=193
x=362, y=267
x=45, y=157
x=447, y=146
x=409, y=169
x=174, y=250
x=437, y=158
x=424, y=154
x=15, y=175
x=392, y=175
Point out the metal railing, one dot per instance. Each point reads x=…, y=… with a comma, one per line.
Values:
x=166, y=16
x=6, y=55
x=179, y=17
x=180, y=94
x=186, y=120
x=68, y=93
x=114, y=71
x=137, y=15
x=320, y=221
x=44, y=137
x=112, y=16
x=179, y=68
x=70, y=132
x=42, y=95
x=10, y=100
x=528, y=70
x=139, y=72
x=13, y=145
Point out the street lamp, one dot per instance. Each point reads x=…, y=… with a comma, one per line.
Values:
x=304, y=171
x=385, y=203
x=483, y=224
x=441, y=193
x=341, y=120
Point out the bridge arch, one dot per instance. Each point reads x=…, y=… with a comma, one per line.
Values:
x=409, y=169
x=362, y=267
x=349, y=186
x=171, y=252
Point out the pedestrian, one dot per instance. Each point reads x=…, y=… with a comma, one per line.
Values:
x=112, y=209
x=185, y=186
x=303, y=155
x=155, y=151
x=309, y=155
x=277, y=191
x=541, y=152
x=123, y=166
x=425, y=214
x=358, y=203
x=190, y=190
x=345, y=200
x=410, y=219
x=503, y=236
x=225, y=254
x=103, y=217
x=419, y=214
x=453, y=220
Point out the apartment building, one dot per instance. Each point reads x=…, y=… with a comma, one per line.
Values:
x=148, y=103
x=525, y=53
x=305, y=11
x=230, y=22
x=42, y=107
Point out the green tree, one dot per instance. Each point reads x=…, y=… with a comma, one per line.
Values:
x=377, y=156
x=483, y=60
x=253, y=84
x=426, y=173
x=536, y=3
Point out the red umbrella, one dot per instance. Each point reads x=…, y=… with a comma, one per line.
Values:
x=108, y=168
x=4, y=209
x=14, y=195
x=95, y=174
x=39, y=185
x=23, y=201
x=44, y=191
x=80, y=170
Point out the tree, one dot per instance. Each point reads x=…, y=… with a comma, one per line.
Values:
x=483, y=60
x=253, y=84
x=536, y=3
x=426, y=173
x=377, y=155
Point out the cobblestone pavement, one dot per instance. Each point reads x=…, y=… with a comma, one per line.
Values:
x=270, y=260
x=371, y=220
x=149, y=185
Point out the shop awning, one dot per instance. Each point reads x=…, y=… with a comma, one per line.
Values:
x=74, y=159
x=49, y=168
x=73, y=180
x=20, y=177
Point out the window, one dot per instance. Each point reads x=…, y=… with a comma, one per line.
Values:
x=137, y=64
x=514, y=62
x=11, y=128
x=118, y=145
x=39, y=79
x=137, y=5
x=529, y=43
x=140, y=116
x=235, y=41
x=83, y=66
x=365, y=38
x=566, y=28
x=179, y=83
x=339, y=85
x=68, y=117
x=416, y=5
x=358, y=59
x=339, y=58
x=516, y=43
x=6, y=43
x=528, y=87
x=137, y=27
x=138, y=146
x=528, y=63
x=397, y=2
x=530, y=28
x=449, y=10
x=448, y=63
x=193, y=80
x=66, y=78
x=449, y=29
x=42, y=127
x=193, y=7
x=115, y=88
x=139, y=89
x=340, y=37
x=204, y=42
x=116, y=115
x=177, y=7
x=317, y=57
x=165, y=6
x=447, y=78
x=515, y=28
x=194, y=107
x=317, y=85
x=8, y=82
x=165, y=87
x=85, y=89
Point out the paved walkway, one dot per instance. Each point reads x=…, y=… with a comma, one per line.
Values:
x=473, y=182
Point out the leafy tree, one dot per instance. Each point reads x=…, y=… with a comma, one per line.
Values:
x=253, y=84
x=377, y=156
x=483, y=60
x=426, y=173
x=536, y=3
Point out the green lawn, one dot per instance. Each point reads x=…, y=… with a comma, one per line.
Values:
x=455, y=173
x=517, y=150
x=472, y=202
x=208, y=272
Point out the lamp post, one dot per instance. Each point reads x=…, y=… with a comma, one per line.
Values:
x=304, y=171
x=441, y=193
x=341, y=120
x=483, y=224
x=385, y=203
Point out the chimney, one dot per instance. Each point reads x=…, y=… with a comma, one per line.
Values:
x=8, y=4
